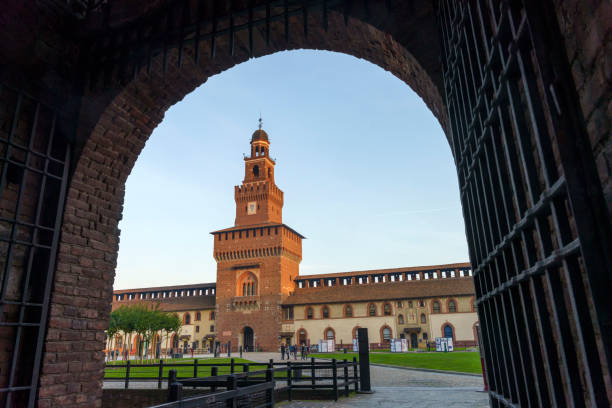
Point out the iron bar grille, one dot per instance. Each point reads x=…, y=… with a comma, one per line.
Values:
x=34, y=162
x=183, y=28
x=523, y=228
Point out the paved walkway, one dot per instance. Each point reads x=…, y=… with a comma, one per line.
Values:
x=396, y=397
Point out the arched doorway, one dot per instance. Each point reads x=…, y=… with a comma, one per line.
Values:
x=516, y=129
x=414, y=342
x=248, y=339
x=302, y=337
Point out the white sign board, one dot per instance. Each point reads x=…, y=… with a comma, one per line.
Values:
x=444, y=344
x=404, y=345
x=355, y=345
x=331, y=346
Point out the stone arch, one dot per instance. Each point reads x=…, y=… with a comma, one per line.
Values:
x=434, y=309
x=354, y=333
x=95, y=195
x=325, y=310
x=247, y=284
x=382, y=330
x=449, y=324
x=327, y=331
x=448, y=305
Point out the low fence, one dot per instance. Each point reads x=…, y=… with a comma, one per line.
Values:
x=257, y=388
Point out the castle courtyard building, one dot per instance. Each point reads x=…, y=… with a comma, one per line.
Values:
x=260, y=300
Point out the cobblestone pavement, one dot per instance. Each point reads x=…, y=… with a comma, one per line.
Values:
x=399, y=397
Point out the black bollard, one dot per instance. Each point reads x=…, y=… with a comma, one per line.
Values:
x=229, y=349
x=364, y=362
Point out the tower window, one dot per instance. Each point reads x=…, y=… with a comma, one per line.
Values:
x=256, y=171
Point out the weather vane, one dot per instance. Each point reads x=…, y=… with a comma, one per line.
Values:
x=260, y=120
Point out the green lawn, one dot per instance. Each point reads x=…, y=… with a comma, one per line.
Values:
x=465, y=362
x=152, y=371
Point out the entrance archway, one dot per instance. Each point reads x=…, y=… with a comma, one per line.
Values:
x=414, y=342
x=496, y=75
x=248, y=339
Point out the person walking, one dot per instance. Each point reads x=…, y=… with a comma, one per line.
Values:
x=282, y=351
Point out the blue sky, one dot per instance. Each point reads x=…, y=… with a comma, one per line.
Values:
x=367, y=172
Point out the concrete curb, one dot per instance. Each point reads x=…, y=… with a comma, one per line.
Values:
x=427, y=370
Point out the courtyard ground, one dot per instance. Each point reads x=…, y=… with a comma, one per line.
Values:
x=393, y=387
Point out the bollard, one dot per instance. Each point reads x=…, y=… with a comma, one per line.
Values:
x=229, y=349
x=175, y=389
x=364, y=362
x=232, y=366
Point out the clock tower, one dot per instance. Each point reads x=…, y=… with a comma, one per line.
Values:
x=258, y=200
x=257, y=259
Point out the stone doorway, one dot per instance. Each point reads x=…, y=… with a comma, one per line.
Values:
x=414, y=341
x=248, y=339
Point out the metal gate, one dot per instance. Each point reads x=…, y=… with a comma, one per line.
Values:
x=34, y=162
x=541, y=260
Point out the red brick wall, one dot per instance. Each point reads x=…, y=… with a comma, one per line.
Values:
x=115, y=124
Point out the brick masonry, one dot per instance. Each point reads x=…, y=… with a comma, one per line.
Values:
x=115, y=124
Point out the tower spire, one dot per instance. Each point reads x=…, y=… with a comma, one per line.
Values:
x=260, y=121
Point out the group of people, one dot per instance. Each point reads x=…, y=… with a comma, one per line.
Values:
x=292, y=350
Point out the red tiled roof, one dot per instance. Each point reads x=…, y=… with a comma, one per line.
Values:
x=177, y=304
x=383, y=291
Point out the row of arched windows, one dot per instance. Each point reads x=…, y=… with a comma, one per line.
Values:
x=372, y=310
x=386, y=334
x=400, y=318
x=198, y=317
x=451, y=306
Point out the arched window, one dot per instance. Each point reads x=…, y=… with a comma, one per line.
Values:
x=198, y=316
x=387, y=309
x=448, y=331
x=348, y=311
x=452, y=306
x=309, y=313
x=435, y=307
x=372, y=309
x=247, y=284
x=356, y=332
x=329, y=334
x=386, y=334
x=263, y=150
x=400, y=319
x=256, y=171
x=187, y=318
x=423, y=318
x=325, y=312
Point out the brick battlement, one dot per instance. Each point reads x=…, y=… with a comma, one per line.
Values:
x=377, y=276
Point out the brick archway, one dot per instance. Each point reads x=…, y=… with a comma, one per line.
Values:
x=549, y=122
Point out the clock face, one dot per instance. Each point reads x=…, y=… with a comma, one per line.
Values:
x=252, y=208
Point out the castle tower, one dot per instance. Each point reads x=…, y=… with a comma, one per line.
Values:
x=257, y=259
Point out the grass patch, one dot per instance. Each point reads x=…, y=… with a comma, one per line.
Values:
x=185, y=369
x=466, y=362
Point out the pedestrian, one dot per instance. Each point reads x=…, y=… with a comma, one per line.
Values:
x=282, y=351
